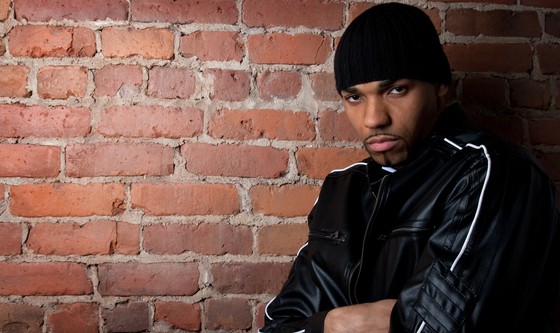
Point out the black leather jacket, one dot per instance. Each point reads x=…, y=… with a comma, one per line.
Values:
x=465, y=236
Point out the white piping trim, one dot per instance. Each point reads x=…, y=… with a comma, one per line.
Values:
x=266, y=308
x=301, y=248
x=348, y=167
x=475, y=219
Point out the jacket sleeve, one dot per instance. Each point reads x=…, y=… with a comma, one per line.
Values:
x=492, y=265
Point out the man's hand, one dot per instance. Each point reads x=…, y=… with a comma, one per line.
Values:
x=367, y=318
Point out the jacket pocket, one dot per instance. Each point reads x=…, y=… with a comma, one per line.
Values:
x=327, y=235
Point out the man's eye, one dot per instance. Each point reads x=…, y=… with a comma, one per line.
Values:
x=398, y=90
x=352, y=98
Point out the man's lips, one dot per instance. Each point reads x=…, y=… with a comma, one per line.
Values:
x=382, y=143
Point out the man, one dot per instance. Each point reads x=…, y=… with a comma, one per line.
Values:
x=444, y=229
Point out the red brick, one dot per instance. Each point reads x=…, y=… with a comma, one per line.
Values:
x=309, y=13
x=41, y=279
x=4, y=11
x=541, y=3
x=550, y=162
x=491, y=92
x=490, y=57
x=324, y=87
x=119, y=159
x=527, y=93
x=62, y=82
x=279, y=48
x=168, y=82
x=67, y=200
x=509, y=127
x=150, y=122
x=227, y=314
x=78, y=10
x=185, y=11
x=149, y=43
x=23, y=318
x=503, y=2
x=118, y=80
x=22, y=160
x=256, y=124
x=185, y=199
x=13, y=81
x=281, y=239
x=229, y=85
x=235, y=160
x=74, y=317
x=11, y=237
x=179, y=315
x=279, y=84
x=319, y=162
x=334, y=126
x=139, y=279
x=206, y=238
x=248, y=277
x=552, y=24
x=39, y=41
x=36, y=121
x=96, y=237
x=544, y=132
x=504, y=23
x=286, y=200
x=260, y=314
x=549, y=58
x=127, y=317
x=212, y=46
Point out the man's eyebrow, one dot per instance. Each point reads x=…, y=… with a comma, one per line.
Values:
x=382, y=85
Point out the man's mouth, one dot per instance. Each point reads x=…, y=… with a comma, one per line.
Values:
x=381, y=143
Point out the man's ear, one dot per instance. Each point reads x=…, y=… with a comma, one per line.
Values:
x=441, y=96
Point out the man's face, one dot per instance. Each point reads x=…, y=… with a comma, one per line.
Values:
x=393, y=117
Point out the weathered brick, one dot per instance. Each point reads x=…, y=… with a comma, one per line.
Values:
x=491, y=92
x=281, y=239
x=158, y=279
x=503, y=2
x=529, y=93
x=23, y=160
x=280, y=48
x=4, y=9
x=150, y=122
x=248, y=277
x=95, y=237
x=229, y=85
x=552, y=24
x=38, y=41
x=37, y=121
x=206, y=238
x=318, y=162
x=118, y=80
x=168, y=82
x=309, y=13
x=74, y=317
x=324, y=87
x=286, y=200
x=235, y=160
x=544, y=131
x=212, y=46
x=490, y=57
x=13, y=81
x=24, y=318
x=335, y=126
x=255, y=124
x=127, y=317
x=55, y=82
x=549, y=58
x=541, y=3
x=227, y=314
x=78, y=10
x=279, y=84
x=46, y=278
x=185, y=199
x=504, y=23
x=179, y=315
x=36, y=200
x=149, y=43
x=11, y=237
x=119, y=159
x=185, y=11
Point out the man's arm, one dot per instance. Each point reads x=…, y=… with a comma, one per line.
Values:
x=361, y=318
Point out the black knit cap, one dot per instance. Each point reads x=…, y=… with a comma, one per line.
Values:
x=390, y=41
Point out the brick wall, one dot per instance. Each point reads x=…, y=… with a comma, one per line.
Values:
x=158, y=157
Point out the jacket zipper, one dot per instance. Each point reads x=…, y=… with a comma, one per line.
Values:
x=402, y=229
x=352, y=287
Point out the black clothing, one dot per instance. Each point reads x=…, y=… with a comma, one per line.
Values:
x=465, y=237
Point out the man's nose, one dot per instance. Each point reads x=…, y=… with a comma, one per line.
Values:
x=376, y=114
